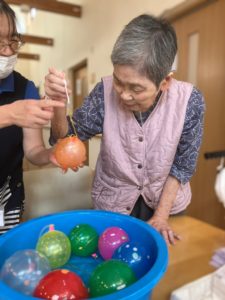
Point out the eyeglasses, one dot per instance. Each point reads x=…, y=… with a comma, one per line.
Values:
x=14, y=45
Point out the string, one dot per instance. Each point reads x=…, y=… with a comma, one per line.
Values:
x=50, y=227
x=73, y=124
x=67, y=95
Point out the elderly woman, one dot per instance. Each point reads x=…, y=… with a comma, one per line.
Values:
x=151, y=126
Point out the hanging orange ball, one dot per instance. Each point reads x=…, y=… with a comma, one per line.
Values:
x=70, y=152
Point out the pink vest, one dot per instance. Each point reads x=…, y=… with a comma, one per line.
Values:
x=136, y=160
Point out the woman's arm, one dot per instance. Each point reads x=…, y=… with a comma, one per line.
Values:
x=55, y=89
x=160, y=218
x=34, y=148
x=86, y=121
x=183, y=166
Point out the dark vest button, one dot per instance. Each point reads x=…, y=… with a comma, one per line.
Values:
x=139, y=187
x=128, y=208
x=139, y=166
x=140, y=139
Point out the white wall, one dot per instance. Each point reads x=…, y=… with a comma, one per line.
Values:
x=90, y=37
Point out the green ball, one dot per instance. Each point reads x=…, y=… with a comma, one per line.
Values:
x=84, y=240
x=55, y=246
x=109, y=277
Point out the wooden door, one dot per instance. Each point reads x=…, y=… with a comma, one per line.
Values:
x=80, y=91
x=201, y=59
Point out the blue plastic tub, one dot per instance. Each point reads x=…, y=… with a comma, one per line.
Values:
x=25, y=236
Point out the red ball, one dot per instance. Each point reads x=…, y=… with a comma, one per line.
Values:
x=61, y=284
x=70, y=152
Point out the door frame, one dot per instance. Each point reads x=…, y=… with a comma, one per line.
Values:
x=184, y=8
x=82, y=64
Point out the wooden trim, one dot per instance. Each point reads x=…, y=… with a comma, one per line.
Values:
x=51, y=6
x=23, y=55
x=37, y=40
x=184, y=8
x=80, y=65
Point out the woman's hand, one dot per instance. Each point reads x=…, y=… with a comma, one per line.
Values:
x=53, y=160
x=77, y=168
x=31, y=113
x=55, y=85
x=166, y=231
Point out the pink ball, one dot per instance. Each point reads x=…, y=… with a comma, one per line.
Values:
x=110, y=240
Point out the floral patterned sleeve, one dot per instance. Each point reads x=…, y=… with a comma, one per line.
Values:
x=89, y=118
x=185, y=161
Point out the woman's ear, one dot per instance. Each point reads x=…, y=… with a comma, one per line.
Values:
x=164, y=85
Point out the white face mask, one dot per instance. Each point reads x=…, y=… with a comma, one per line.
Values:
x=7, y=64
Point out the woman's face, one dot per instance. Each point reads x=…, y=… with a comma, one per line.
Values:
x=136, y=92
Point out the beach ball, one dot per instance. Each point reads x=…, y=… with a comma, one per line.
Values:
x=84, y=240
x=61, y=285
x=23, y=270
x=110, y=240
x=136, y=256
x=70, y=152
x=109, y=277
x=55, y=246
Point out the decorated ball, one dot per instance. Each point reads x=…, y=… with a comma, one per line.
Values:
x=109, y=277
x=55, y=246
x=110, y=240
x=70, y=152
x=84, y=240
x=23, y=270
x=61, y=285
x=136, y=256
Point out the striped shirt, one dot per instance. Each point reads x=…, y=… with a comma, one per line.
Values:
x=12, y=213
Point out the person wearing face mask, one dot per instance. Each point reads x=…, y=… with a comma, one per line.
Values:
x=151, y=126
x=15, y=113
x=28, y=113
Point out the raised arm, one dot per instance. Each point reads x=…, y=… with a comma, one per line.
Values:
x=55, y=89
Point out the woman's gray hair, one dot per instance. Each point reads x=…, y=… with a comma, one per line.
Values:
x=148, y=44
